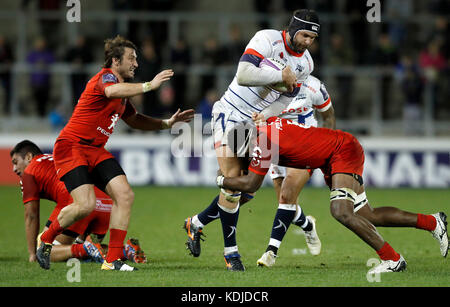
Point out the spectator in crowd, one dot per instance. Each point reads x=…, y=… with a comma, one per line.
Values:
x=6, y=60
x=206, y=104
x=412, y=87
x=49, y=27
x=341, y=55
x=399, y=11
x=167, y=105
x=385, y=55
x=79, y=55
x=212, y=56
x=149, y=66
x=40, y=59
x=358, y=25
x=434, y=65
x=57, y=118
x=441, y=32
x=432, y=59
x=180, y=59
x=235, y=47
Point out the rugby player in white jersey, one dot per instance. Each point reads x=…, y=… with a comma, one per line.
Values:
x=250, y=92
x=289, y=182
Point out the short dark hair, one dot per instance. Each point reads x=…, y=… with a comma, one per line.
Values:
x=115, y=48
x=25, y=147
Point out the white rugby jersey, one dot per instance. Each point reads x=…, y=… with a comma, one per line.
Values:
x=312, y=96
x=242, y=101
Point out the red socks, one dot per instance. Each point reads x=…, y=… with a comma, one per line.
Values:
x=115, y=247
x=426, y=222
x=78, y=251
x=50, y=234
x=388, y=253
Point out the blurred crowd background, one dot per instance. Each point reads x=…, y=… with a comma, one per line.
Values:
x=385, y=78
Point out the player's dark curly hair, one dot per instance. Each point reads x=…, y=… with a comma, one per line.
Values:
x=25, y=147
x=115, y=48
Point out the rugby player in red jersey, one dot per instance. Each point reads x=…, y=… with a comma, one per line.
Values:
x=81, y=160
x=39, y=180
x=341, y=158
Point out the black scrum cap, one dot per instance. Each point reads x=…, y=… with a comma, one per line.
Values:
x=304, y=20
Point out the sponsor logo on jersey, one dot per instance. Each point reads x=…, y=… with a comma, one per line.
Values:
x=277, y=42
x=108, y=78
x=299, y=67
x=114, y=120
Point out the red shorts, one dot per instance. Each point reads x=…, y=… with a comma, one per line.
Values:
x=348, y=159
x=68, y=155
x=96, y=222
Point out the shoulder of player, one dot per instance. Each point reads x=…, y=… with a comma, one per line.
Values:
x=311, y=85
x=106, y=75
x=271, y=35
x=39, y=165
x=33, y=165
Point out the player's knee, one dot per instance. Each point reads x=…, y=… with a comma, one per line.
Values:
x=340, y=211
x=232, y=198
x=125, y=198
x=85, y=205
x=86, y=208
x=287, y=197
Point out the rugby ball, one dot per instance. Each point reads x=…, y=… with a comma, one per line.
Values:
x=274, y=64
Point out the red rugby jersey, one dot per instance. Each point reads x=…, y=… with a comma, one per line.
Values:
x=294, y=145
x=95, y=115
x=39, y=180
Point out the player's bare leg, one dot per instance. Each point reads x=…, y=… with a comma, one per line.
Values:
x=63, y=251
x=120, y=191
x=84, y=201
x=388, y=216
x=342, y=210
x=394, y=217
x=228, y=205
x=345, y=188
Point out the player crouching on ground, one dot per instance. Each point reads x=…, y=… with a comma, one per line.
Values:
x=341, y=158
x=39, y=180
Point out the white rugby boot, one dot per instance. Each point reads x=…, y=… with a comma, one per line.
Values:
x=440, y=232
x=267, y=259
x=312, y=239
x=389, y=266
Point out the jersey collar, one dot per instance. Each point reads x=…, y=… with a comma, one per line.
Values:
x=289, y=49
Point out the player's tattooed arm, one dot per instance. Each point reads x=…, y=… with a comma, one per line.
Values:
x=328, y=118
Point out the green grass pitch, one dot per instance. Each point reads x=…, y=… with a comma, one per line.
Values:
x=157, y=219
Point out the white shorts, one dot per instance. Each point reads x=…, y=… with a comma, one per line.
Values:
x=277, y=171
x=231, y=130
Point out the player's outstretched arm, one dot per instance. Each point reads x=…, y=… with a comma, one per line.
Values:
x=127, y=90
x=249, y=183
x=148, y=123
x=31, y=227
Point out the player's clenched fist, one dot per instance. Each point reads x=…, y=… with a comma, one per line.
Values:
x=289, y=78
